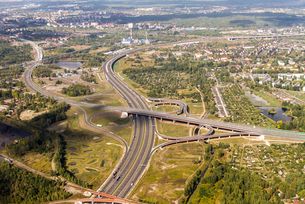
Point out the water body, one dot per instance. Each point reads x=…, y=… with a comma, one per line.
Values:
x=69, y=65
x=279, y=114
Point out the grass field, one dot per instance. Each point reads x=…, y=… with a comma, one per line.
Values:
x=166, y=108
x=40, y=162
x=272, y=100
x=91, y=156
x=115, y=124
x=169, y=169
x=172, y=129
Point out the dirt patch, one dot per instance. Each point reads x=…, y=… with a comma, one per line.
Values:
x=30, y=114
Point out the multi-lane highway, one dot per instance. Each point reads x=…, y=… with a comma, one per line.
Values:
x=137, y=155
x=136, y=160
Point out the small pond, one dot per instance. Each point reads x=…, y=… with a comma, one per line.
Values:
x=277, y=115
x=69, y=65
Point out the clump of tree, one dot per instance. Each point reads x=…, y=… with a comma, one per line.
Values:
x=297, y=112
x=88, y=77
x=77, y=90
x=55, y=114
x=10, y=54
x=42, y=71
x=94, y=61
x=9, y=76
x=20, y=186
x=40, y=140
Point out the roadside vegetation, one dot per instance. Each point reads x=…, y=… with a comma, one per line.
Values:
x=61, y=162
x=176, y=78
x=168, y=173
x=77, y=90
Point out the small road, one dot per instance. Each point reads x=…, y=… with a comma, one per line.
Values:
x=31, y=85
x=184, y=109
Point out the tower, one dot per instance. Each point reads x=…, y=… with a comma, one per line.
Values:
x=130, y=26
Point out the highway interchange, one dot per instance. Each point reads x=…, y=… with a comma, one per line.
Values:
x=138, y=154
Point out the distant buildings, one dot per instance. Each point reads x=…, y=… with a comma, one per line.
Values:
x=130, y=40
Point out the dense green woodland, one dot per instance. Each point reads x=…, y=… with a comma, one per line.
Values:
x=225, y=183
x=14, y=54
x=20, y=186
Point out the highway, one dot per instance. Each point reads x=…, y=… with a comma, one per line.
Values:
x=137, y=158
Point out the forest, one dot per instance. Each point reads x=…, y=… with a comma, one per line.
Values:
x=20, y=186
x=10, y=54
